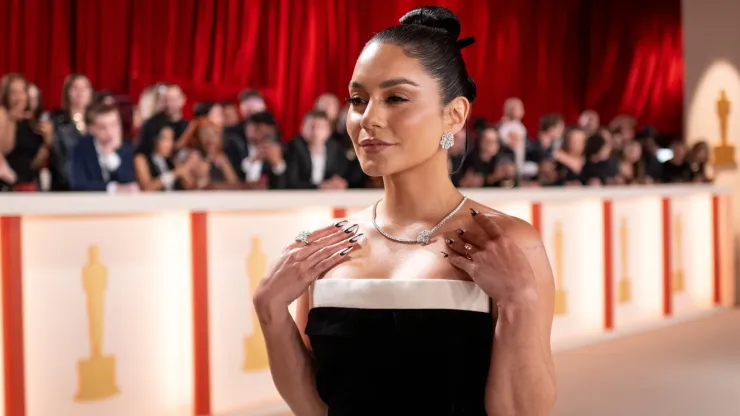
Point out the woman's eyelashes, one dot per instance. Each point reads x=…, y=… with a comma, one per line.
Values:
x=392, y=100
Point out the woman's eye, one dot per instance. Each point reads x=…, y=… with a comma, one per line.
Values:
x=396, y=100
x=355, y=101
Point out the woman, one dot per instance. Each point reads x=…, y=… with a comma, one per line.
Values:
x=490, y=165
x=631, y=164
x=698, y=160
x=569, y=158
x=395, y=327
x=156, y=172
x=203, y=147
x=598, y=169
x=22, y=144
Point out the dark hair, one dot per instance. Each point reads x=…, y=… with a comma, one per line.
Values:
x=99, y=109
x=429, y=34
x=68, y=81
x=250, y=93
x=5, y=83
x=262, y=117
x=202, y=109
x=102, y=95
x=594, y=144
x=316, y=114
x=549, y=121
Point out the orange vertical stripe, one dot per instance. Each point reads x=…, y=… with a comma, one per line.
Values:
x=716, y=247
x=608, y=269
x=199, y=247
x=667, y=257
x=339, y=213
x=12, y=298
x=537, y=216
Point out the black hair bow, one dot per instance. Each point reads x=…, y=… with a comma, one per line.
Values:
x=465, y=42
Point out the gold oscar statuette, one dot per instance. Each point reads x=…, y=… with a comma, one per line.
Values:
x=561, y=299
x=96, y=374
x=678, y=272
x=724, y=153
x=255, y=351
x=625, y=291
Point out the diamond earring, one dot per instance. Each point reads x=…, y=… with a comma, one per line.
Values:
x=448, y=139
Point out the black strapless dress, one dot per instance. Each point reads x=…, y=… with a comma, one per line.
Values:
x=387, y=347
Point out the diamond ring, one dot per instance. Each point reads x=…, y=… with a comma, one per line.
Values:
x=467, y=248
x=303, y=237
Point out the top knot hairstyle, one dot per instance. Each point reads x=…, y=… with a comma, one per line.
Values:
x=430, y=34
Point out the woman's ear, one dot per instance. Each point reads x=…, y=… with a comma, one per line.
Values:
x=456, y=113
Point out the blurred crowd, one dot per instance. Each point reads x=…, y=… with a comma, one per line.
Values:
x=90, y=143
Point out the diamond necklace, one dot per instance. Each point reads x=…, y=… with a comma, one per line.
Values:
x=424, y=235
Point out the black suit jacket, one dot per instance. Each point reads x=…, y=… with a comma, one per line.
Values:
x=237, y=150
x=300, y=166
x=86, y=173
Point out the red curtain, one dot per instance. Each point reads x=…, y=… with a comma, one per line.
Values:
x=557, y=55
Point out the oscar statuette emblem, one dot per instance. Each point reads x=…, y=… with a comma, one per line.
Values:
x=96, y=374
x=255, y=351
x=724, y=154
x=625, y=292
x=561, y=304
x=678, y=274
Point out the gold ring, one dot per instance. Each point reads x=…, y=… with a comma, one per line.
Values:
x=467, y=248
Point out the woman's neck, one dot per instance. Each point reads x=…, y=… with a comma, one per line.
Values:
x=423, y=193
x=76, y=110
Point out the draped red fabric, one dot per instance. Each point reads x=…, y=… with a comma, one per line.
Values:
x=557, y=55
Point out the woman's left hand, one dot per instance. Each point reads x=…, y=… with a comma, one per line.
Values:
x=493, y=260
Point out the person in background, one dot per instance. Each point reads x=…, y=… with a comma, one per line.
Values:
x=569, y=158
x=151, y=102
x=106, y=97
x=314, y=161
x=101, y=161
x=546, y=173
x=513, y=135
x=354, y=175
x=550, y=132
x=328, y=104
x=490, y=164
x=258, y=159
x=457, y=155
x=698, y=159
x=251, y=102
x=677, y=169
x=631, y=164
x=157, y=172
x=213, y=111
x=231, y=114
x=171, y=115
x=22, y=143
x=211, y=166
x=589, y=121
x=598, y=168
x=69, y=127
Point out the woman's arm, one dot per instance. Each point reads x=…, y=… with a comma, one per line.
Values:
x=521, y=378
x=291, y=363
x=7, y=132
x=143, y=177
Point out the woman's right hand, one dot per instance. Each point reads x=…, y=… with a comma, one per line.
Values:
x=301, y=264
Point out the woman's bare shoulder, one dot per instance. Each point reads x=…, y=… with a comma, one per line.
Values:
x=513, y=227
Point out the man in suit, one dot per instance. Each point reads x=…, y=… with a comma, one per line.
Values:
x=257, y=156
x=314, y=161
x=101, y=161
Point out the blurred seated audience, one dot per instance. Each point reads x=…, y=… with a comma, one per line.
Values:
x=598, y=168
x=653, y=167
x=314, y=161
x=490, y=164
x=677, y=169
x=24, y=139
x=251, y=102
x=231, y=114
x=632, y=164
x=101, y=161
x=590, y=122
x=156, y=171
x=212, y=111
x=203, y=153
x=550, y=132
x=569, y=158
x=257, y=154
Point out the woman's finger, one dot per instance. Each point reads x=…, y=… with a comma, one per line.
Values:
x=487, y=223
x=461, y=262
x=461, y=248
x=478, y=238
x=327, y=251
x=333, y=260
x=318, y=234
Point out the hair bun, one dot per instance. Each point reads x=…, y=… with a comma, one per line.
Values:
x=435, y=17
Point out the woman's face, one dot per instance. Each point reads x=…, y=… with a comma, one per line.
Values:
x=633, y=151
x=488, y=142
x=80, y=93
x=396, y=118
x=329, y=104
x=33, y=98
x=216, y=115
x=576, y=142
x=209, y=138
x=165, y=142
x=18, y=95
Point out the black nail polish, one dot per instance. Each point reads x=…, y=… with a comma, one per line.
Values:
x=340, y=223
x=473, y=212
x=450, y=241
x=345, y=251
x=444, y=254
x=352, y=228
x=460, y=231
x=355, y=238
